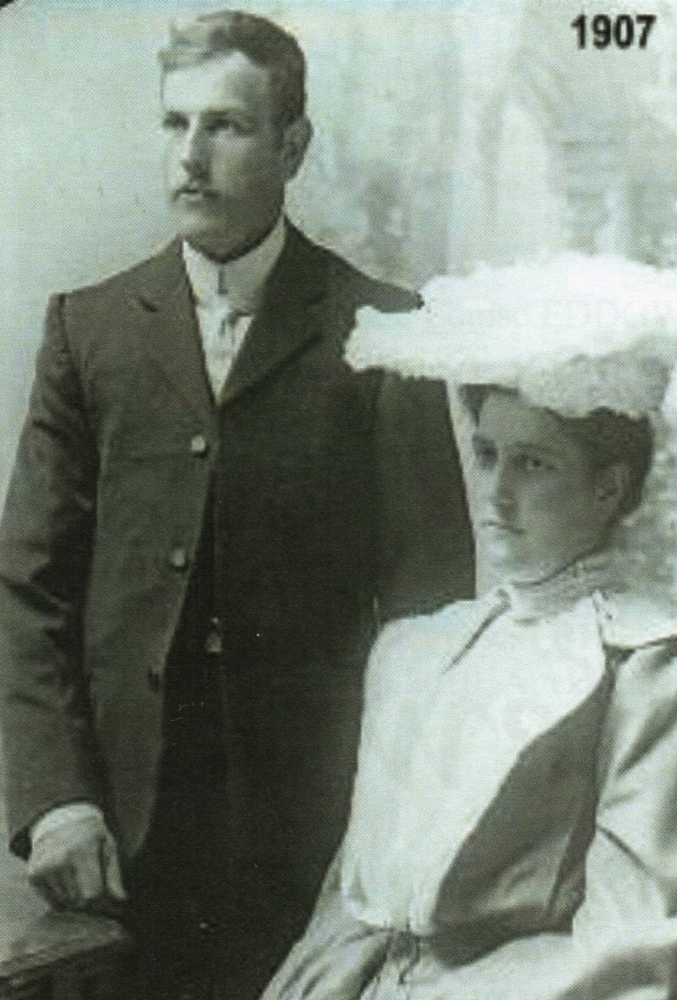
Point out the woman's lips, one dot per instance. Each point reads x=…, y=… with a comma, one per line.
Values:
x=501, y=527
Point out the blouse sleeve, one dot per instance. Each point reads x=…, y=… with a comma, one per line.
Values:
x=623, y=943
x=337, y=955
x=638, y=765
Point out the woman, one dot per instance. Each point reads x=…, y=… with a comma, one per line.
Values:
x=513, y=831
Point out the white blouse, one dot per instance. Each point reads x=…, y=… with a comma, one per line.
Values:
x=513, y=831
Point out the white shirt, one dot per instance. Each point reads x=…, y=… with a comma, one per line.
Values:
x=227, y=296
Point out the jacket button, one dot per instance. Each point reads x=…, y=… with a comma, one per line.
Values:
x=198, y=445
x=213, y=642
x=178, y=559
x=154, y=681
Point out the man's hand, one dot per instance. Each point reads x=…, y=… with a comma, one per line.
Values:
x=74, y=860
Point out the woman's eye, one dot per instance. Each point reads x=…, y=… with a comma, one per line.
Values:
x=485, y=457
x=534, y=463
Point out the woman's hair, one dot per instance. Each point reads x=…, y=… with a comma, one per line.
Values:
x=606, y=437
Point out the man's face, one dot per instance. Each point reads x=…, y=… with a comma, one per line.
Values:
x=227, y=161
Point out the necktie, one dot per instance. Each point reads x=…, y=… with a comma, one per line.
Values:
x=222, y=344
x=234, y=329
x=228, y=332
x=224, y=326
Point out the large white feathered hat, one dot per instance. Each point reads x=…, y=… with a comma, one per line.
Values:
x=573, y=334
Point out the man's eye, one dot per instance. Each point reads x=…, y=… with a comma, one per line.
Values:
x=174, y=122
x=226, y=125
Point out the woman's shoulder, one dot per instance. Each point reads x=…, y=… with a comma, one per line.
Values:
x=439, y=629
x=633, y=619
x=637, y=750
x=420, y=646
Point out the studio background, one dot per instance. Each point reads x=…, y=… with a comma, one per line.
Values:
x=446, y=133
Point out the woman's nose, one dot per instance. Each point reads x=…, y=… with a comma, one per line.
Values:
x=501, y=489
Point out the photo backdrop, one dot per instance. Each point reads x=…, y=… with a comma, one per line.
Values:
x=446, y=133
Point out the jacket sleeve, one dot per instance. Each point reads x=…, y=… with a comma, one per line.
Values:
x=45, y=548
x=426, y=549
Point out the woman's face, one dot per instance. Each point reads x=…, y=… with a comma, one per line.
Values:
x=540, y=504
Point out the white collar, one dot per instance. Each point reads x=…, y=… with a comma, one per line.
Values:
x=631, y=614
x=597, y=571
x=240, y=281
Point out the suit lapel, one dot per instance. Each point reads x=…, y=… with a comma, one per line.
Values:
x=171, y=336
x=287, y=320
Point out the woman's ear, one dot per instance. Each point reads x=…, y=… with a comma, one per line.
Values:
x=611, y=486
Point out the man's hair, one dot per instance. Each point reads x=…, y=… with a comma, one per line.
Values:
x=606, y=437
x=265, y=43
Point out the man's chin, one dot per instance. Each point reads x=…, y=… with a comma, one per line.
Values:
x=222, y=238
x=194, y=218
x=201, y=232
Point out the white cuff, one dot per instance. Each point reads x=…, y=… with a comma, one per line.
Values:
x=73, y=813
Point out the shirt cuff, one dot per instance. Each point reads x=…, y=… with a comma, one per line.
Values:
x=74, y=812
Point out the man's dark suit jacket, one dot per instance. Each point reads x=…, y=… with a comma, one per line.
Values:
x=336, y=493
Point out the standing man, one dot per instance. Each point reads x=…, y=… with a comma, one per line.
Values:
x=206, y=507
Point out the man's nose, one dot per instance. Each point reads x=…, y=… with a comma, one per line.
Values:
x=195, y=152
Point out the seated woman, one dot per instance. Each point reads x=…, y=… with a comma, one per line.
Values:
x=514, y=820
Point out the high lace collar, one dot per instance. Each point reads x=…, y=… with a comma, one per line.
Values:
x=599, y=571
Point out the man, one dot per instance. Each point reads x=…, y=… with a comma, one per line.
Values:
x=208, y=510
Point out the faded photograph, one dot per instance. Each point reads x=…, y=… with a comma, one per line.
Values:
x=338, y=602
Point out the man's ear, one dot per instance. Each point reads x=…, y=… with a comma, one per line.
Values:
x=295, y=140
x=611, y=486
